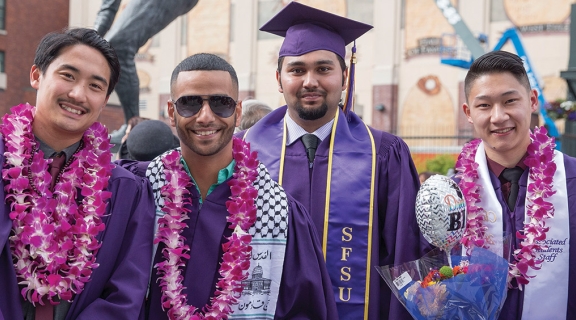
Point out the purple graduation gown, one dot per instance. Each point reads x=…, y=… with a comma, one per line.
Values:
x=512, y=308
x=395, y=237
x=118, y=286
x=305, y=288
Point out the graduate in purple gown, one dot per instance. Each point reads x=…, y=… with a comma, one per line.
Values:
x=75, y=230
x=516, y=184
x=219, y=210
x=359, y=184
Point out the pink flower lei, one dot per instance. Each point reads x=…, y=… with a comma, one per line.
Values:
x=54, y=241
x=237, y=250
x=542, y=169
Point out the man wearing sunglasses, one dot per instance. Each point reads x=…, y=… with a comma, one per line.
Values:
x=359, y=184
x=230, y=240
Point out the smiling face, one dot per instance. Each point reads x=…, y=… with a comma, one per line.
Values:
x=205, y=134
x=71, y=93
x=500, y=108
x=312, y=85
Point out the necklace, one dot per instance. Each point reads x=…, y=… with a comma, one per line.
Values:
x=541, y=172
x=31, y=180
x=54, y=241
x=237, y=250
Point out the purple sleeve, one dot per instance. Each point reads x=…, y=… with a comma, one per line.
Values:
x=10, y=307
x=138, y=168
x=119, y=284
x=570, y=165
x=305, y=290
x=240, y=134
x=400, y=237
x=397, y=200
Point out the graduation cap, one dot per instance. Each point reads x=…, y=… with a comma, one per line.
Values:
x=306, y=29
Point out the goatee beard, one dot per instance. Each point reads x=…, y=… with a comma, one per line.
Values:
x=312, y=113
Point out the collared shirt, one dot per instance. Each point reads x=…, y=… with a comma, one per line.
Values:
x=223, y=175
x=49, y=152
x=295, y=131
x=497, y=169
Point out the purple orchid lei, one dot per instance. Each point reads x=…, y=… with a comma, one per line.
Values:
x=542, y=169
x=54, y=241
x=237, y=250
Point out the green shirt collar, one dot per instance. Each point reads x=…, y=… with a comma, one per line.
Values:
x=223, y=175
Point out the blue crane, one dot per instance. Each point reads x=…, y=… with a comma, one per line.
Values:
x=476, y=50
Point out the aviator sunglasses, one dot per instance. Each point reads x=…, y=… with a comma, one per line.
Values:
x=222, y=106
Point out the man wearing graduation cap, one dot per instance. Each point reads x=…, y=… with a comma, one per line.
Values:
x=359, y=184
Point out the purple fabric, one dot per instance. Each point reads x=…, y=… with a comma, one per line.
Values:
x=349, y=99
x=512, y=308
x=396, y=237
x=9, y=302
x=118, y=286
x=308, y=29
x=305, y=289
x=307, y=37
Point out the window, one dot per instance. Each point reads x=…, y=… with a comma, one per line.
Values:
x=2, y=74
x=266, y=10
x=1, y=61
x=360, y=10
x=2, y=15
x=497, y=11
x=155, y=41
x=232, y=21
x=184, y=30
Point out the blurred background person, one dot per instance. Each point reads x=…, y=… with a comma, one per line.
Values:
x=123, y=150
x=252, y=111
x=149, y=139
x=423, y=176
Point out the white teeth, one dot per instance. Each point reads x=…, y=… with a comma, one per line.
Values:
x=503, y=130
x=71, y=110
x=205, y=133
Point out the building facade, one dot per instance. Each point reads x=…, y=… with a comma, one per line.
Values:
x=402, y=87
x=22, y=24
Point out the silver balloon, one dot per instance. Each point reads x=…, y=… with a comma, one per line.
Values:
x=441, y=212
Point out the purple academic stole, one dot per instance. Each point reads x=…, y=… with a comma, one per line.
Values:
x=347, y=234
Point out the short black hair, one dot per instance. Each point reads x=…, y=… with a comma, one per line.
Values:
x=52, y=44
x=204, y=62
x=496, y=62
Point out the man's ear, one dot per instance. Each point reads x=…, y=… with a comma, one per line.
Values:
x=344, y=78
x=35, y=74
x=238, y=113
x=466, y=110
x=171, y=112
x=279, y=82
x=534, y=100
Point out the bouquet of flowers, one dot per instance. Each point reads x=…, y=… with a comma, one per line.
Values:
x=430, y=287
x=561, y=109
x=474, y=288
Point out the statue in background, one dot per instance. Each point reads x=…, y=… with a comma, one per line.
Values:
x=138, y=22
